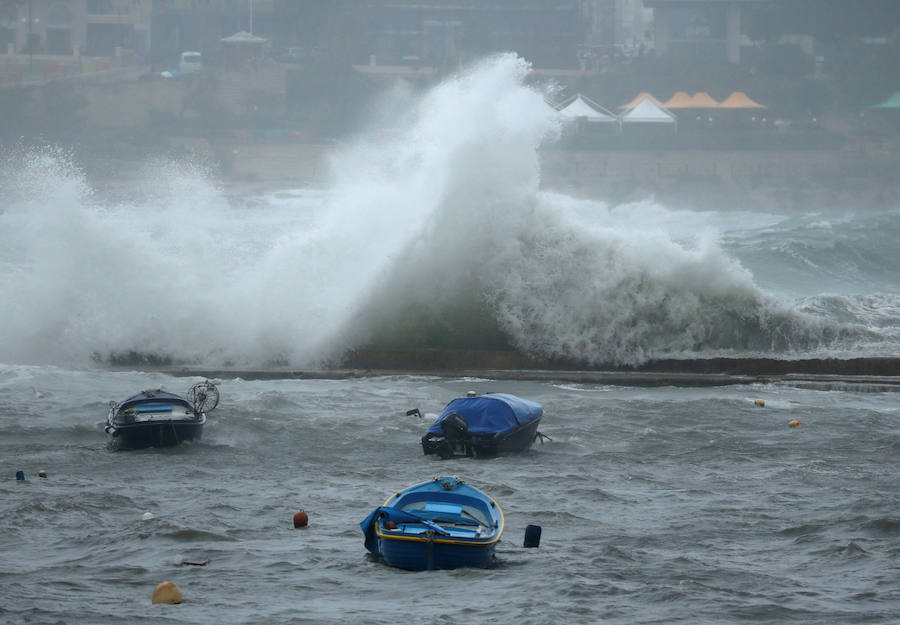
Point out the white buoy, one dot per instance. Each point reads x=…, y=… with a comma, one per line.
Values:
x=147, y=516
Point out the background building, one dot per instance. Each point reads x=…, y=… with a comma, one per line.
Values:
x=75, y=27
x=433, y=33
x=730, y=29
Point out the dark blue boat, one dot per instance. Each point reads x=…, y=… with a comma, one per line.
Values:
x=157, y=418
x=441, y=524
x=483, y=426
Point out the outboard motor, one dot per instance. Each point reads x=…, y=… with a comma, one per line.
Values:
x=452, y=440
x=456, y=431
x=454, y=427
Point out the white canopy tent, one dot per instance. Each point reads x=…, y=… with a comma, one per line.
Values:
x=242, y=47
x=243, y=37
x=647, y=112
x=584, y=108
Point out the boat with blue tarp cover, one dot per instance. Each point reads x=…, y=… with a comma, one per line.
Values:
x=441, y=524
x=158, y=418
x=483, y=426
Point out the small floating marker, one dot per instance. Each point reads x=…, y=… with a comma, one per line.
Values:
x=390, y=525
x=532, y=536
x=147, y=516
x=471, y=394
x=167, y=592
x=759, y=402
x=301, y=519
x=20, y=476
x=42, y=473
x=795, y=423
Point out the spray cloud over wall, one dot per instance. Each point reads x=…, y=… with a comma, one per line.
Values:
x=439, y=236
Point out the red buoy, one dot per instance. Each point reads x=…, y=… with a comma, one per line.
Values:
x=390, y=525
x=301, y=519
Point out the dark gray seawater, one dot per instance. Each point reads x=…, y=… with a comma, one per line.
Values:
x=658, y=505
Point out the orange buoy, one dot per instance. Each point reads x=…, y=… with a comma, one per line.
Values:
x=167, y=592
x=795, y=423
x=301, y=519
x=390, y=525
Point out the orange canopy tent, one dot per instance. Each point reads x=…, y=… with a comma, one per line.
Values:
x=739, y=100
x=703, y=100
x=680, y=100
x=643, y=95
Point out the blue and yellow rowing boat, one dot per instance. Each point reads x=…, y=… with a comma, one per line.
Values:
x=441, y=524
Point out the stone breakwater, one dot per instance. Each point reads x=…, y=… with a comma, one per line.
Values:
x=871, y=373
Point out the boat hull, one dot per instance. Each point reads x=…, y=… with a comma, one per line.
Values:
x=432, y=554
x=156, y=434
x=483, y=445
x=483, y=426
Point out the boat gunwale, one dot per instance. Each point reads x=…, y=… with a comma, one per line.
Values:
x=197, y=420
x=468, y=542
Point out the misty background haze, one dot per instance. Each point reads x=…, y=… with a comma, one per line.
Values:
x=102, y=79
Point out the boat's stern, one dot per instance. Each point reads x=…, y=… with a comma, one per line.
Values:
x=152, y=425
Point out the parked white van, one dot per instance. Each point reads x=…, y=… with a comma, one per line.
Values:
x=190, y=62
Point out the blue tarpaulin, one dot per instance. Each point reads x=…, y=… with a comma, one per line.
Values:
x=490, y=413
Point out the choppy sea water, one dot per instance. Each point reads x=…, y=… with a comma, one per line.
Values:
x=658, y=505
